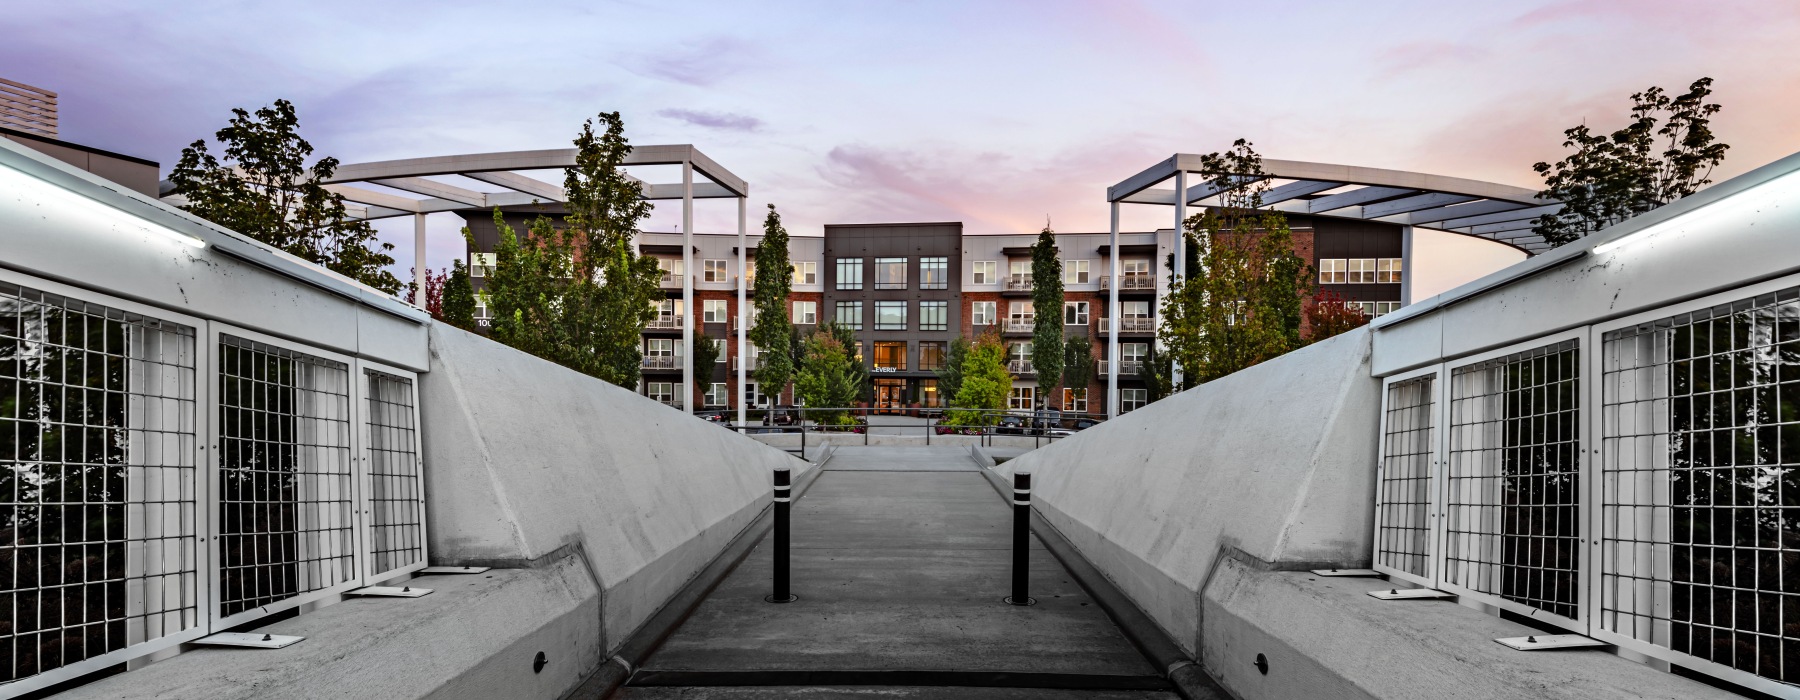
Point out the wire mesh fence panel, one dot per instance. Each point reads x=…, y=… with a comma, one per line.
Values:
x=98, y=531
x=395, y=493
x=1403, y=497
x=1700, y=519
x=1512, y=498
x=285, y=479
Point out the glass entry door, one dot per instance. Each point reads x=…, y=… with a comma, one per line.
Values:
x=890, y=395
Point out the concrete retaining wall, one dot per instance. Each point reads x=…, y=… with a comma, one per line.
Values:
x=1277, y=460
x=524, y=457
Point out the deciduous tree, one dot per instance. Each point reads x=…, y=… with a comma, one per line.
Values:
x=950, y=374
x=1666, y=152
x=614, y=285
x=1047, y=301
x=826, y=378
x=1078, y=363
x=985, y=384
x=263, y=188
x=1328, y=315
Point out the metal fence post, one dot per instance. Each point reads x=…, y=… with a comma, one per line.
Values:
x=1021, y=539
x=783, y=501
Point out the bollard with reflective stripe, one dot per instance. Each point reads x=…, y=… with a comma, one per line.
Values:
x=783, y=500
x=1021, y=539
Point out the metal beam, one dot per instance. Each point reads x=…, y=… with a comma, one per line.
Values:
x=1476, y=208
x=1518, y=214
x=419, y=185
x=519, y=183
x=1294, y=190
x=1421, y=202
x=1355, y=198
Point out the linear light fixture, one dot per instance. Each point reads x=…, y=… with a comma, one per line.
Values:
x=1782, y=189
x=63, y=200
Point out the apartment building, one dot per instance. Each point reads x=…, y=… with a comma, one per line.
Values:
x=896, y=286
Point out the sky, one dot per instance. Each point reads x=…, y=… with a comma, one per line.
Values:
x=996, y=114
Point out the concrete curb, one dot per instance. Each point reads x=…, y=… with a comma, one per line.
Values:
x=1190, y=679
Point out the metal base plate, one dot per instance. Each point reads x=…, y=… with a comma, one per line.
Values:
x=1410, y=594
x=1028, y=601
x=1358, y=573
x=453, y=570
x=1541, y=642
x=391, y=591
x=771, y=599
x=258, y=640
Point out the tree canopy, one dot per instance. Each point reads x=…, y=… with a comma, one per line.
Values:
x=772, y=331
x=1078, y=363
x=1047, y=303
x=1667, y=151
x=826, y=377
x=985, y=384
x=262, y=188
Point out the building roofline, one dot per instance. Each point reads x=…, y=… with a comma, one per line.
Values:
x=85, y=149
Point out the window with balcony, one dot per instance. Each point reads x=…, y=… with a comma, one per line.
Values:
x=482, y=264
x=671, y=269
x=1134, y=309
x=849, y=273
x=1075, y=313
x=1018, y=358
x=1023, y=398
x=1135, y=267
x=668, y=313
x=806, y=313
x=890, y=315
x=1132, y=399
x=890, y=355
x=981, y=313
x=1019, y=313
x=890, y=273
x=716, y=395
x=663, y=392
x=715, y=271
x=1018, y=274
x=931, y=355
x=1135, y=274
x=934, y=315
x=982, y=272
x=806, y=273
x=714, y=311
x=934, y=273
x=849, y=315
x=1075, y=272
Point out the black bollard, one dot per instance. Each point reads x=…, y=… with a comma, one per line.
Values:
x=783, y=500
x=1021, y=539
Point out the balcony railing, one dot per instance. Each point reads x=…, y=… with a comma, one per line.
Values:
x=1020, y=367
x=1130, y=281
x=1129, y=324
x=753, y=363
x=1127, y=368
x=665, y=321
x=662, y=362
x=670, y=279
x=1019, y=324
x=1018, y=283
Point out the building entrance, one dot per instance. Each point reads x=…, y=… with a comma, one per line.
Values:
x=890, y=395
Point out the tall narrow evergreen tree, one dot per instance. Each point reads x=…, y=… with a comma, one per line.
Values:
x=1047, y=304
x=772, y=333
x=459, y=298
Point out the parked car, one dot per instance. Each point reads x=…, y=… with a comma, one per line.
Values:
x=1011, y=424
x=780, y=416
x=1085, y=423
x=713, y=416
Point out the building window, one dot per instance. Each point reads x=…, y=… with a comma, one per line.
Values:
x=1018, y=274
x=931, y=356
x=890, y=355
x=1018, y=358
x=716, y=394
x=1376, y=308
x=662, y=347
x=849, y=273
x=719, y=345
x=984, y=272
x=1387, y=271
x=1075, y=313
x=928, y=394
x=662, y=392
x=849, y=315
x=1134, y=309
x=1075, y=272
x=934, y=273
x=1131, y=399
x=1136, y=268
x=714, y=271
x=890, y=273
x=1331, y=271
x=1131, y=358
x=806, y=273
x=890, y=315
x=713, y=311
x=481, y=307
x=754, y=395
x=1075, y=400
x=1020, y=313
x=934, y=315
x=981, y=313
x=671, y=269
x=668, y=314
x=483, y=264
x=1024, y=398
x=1362, y=270
x=806, y=313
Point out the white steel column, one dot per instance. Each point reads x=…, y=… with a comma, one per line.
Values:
x=1406, y=265
x=742, y=310
x=1112, y=320
x=687, y=286
x=419, y=260
x=1177, y=269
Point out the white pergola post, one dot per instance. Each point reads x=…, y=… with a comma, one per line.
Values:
x=687, y=285
x=1112, y=320
x=419, y=260
x=1406, y=265
x=742, y=314
x=1181, y=195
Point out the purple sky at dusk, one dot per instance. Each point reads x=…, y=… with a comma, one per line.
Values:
x=996, y=114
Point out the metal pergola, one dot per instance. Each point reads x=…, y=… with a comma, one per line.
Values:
x=1496, y=212
x=358, y=183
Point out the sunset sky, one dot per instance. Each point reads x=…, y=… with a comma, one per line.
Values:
x=996, y=114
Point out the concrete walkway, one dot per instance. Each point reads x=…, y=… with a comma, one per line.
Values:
x=901, y=556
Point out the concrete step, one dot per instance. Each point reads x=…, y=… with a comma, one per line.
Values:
x=885, y=692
